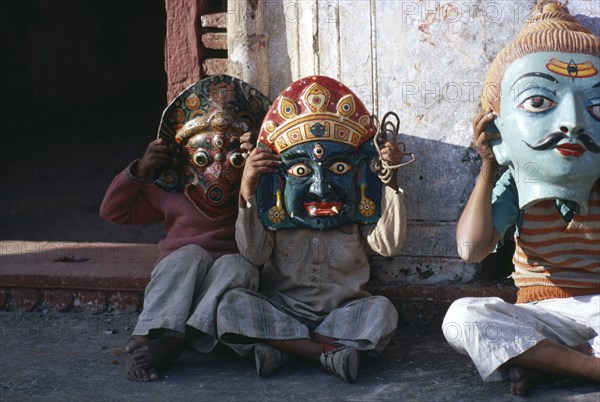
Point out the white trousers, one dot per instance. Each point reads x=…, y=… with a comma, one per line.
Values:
x=491, y=331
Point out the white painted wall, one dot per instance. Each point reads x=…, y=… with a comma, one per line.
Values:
x=425, y=60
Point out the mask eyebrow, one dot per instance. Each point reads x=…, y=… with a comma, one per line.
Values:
x=596, y=86
x=538, y=75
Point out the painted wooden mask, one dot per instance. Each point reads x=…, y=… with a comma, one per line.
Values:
x=324, y=136
x=206, y=121
x=545, y=89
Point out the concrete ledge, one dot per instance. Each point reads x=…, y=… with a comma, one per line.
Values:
x=423, y=307
x=445, y=293
x=86, y=266
x=65, y=276
x=100, y=277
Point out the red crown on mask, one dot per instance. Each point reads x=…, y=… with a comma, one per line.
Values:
x=316, y=108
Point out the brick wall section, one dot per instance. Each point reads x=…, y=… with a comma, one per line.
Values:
x=182, y=53
x=196, y=42
x=214, y=43
x=419, y=306
x=72, y=300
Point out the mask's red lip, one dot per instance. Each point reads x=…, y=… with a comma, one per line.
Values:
x=568, y=149
x=315, y=209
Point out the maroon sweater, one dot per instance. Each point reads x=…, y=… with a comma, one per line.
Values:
x=133, y=202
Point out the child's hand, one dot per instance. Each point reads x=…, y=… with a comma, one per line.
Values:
x=246, y=144
x=390, y=151
x=481, y=138
x=158, y=153
x=259, y=161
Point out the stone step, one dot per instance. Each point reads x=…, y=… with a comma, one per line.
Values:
x=214, y=66
x=215, y=40
x=70, y=276
x=214, y=20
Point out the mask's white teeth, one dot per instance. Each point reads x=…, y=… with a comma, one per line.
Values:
x=312, y=210
x=335, y=209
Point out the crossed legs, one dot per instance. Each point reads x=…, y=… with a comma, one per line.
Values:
x=548, y=357
x=180, y=306
x=526, y=342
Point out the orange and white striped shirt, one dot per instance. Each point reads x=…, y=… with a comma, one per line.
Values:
x=555, y=259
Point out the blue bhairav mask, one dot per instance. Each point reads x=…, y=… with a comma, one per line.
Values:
x=324, y=136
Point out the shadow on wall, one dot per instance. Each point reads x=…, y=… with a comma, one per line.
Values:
x=438, y=183
x=436, y=188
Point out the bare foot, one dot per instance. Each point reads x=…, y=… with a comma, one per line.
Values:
x=522, y=380
x=145, y=356
x=135, y=373
x=553, y=359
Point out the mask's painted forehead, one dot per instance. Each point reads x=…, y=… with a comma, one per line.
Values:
x=551, y=70
x=218, y=103
x=318, y=151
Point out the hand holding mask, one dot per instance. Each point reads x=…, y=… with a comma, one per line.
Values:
x=205, y=122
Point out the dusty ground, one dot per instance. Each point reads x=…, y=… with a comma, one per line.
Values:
x=75, y=357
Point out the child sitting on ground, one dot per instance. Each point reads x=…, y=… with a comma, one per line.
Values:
x=198, y=164
x=542, y=96
x=320, y=192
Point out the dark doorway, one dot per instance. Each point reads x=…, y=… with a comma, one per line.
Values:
x=82, y=89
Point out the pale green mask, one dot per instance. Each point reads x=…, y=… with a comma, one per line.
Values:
x=550, y=126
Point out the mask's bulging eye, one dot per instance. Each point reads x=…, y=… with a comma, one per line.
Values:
x=236, y=159
x=201, y=158
x=595, y=111
x=299, y=170
x=537, y=104
x=340, y=168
